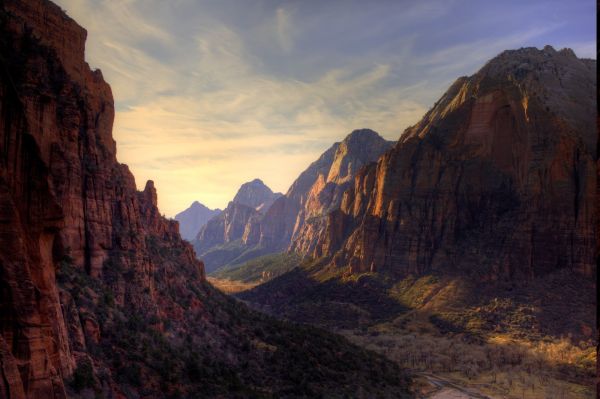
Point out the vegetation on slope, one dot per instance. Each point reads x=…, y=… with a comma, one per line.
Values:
x=514, y=338
x=209, y=345
x=261, y=269
x=230, y=255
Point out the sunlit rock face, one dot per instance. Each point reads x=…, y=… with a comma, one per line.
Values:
x=498, y=179
x=296, y=221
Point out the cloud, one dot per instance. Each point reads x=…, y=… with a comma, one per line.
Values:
x=212, y=94
x=283, y=29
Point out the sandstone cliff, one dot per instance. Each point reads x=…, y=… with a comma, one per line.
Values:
x=99, y=295
x=193, y=218
x=498, y=179
x=297, y=220
x=64, y=196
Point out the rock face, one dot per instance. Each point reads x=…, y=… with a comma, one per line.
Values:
x=257, y=195
x=227, y=227
x=193, y=219
x=497, y=180
x=99, y=295
x=250, y=202
x=63, y=195
x=297, y=221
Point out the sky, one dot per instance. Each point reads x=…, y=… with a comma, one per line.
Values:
x=212, y=94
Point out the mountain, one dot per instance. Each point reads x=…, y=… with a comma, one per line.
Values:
x=100, y=296
x=223, y=238
x=295, y=220
x=498, y=178
x=476, y=232
x=256, y=194
x=193, y=218
x=497, y=181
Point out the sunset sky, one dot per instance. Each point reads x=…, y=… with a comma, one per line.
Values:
x=211, y=94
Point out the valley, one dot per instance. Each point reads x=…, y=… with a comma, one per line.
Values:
x=419, y=263
x=458, y=261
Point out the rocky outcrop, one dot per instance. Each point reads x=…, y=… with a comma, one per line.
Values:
x=497, y=180
x=227, y=227
x=99, y=295
x=257, y=195
x=297, y=221
x=193, y=219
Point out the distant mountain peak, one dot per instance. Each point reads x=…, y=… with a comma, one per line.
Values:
x=362, y=134
x=193, y=218
x=255, y=194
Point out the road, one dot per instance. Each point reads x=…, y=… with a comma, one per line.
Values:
x=445, y=389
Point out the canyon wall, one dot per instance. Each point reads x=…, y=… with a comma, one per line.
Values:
x=497, y=180
x=296, y=221
x=63, y=195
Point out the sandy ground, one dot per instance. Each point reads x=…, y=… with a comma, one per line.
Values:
x=230, y=286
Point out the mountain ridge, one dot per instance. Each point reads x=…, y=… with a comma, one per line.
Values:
x=297, y=216
x=479, y=100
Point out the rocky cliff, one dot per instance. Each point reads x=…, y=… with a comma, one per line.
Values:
x=297, y=220
x=228, y=226
x=193, y=218
x=498, y=179
x=99, y=295
x=64, y=196
x=237, y=226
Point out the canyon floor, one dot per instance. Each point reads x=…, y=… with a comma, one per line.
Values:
x=457, y=344
x=230, y=286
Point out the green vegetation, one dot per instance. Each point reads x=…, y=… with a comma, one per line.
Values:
x=261, y=269
x=230, y=255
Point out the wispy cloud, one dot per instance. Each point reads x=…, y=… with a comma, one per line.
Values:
x=283, y=29
x=212, y=94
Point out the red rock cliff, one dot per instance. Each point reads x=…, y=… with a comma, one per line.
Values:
x=497, y=180
x=62, y=195
x=297, y=221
